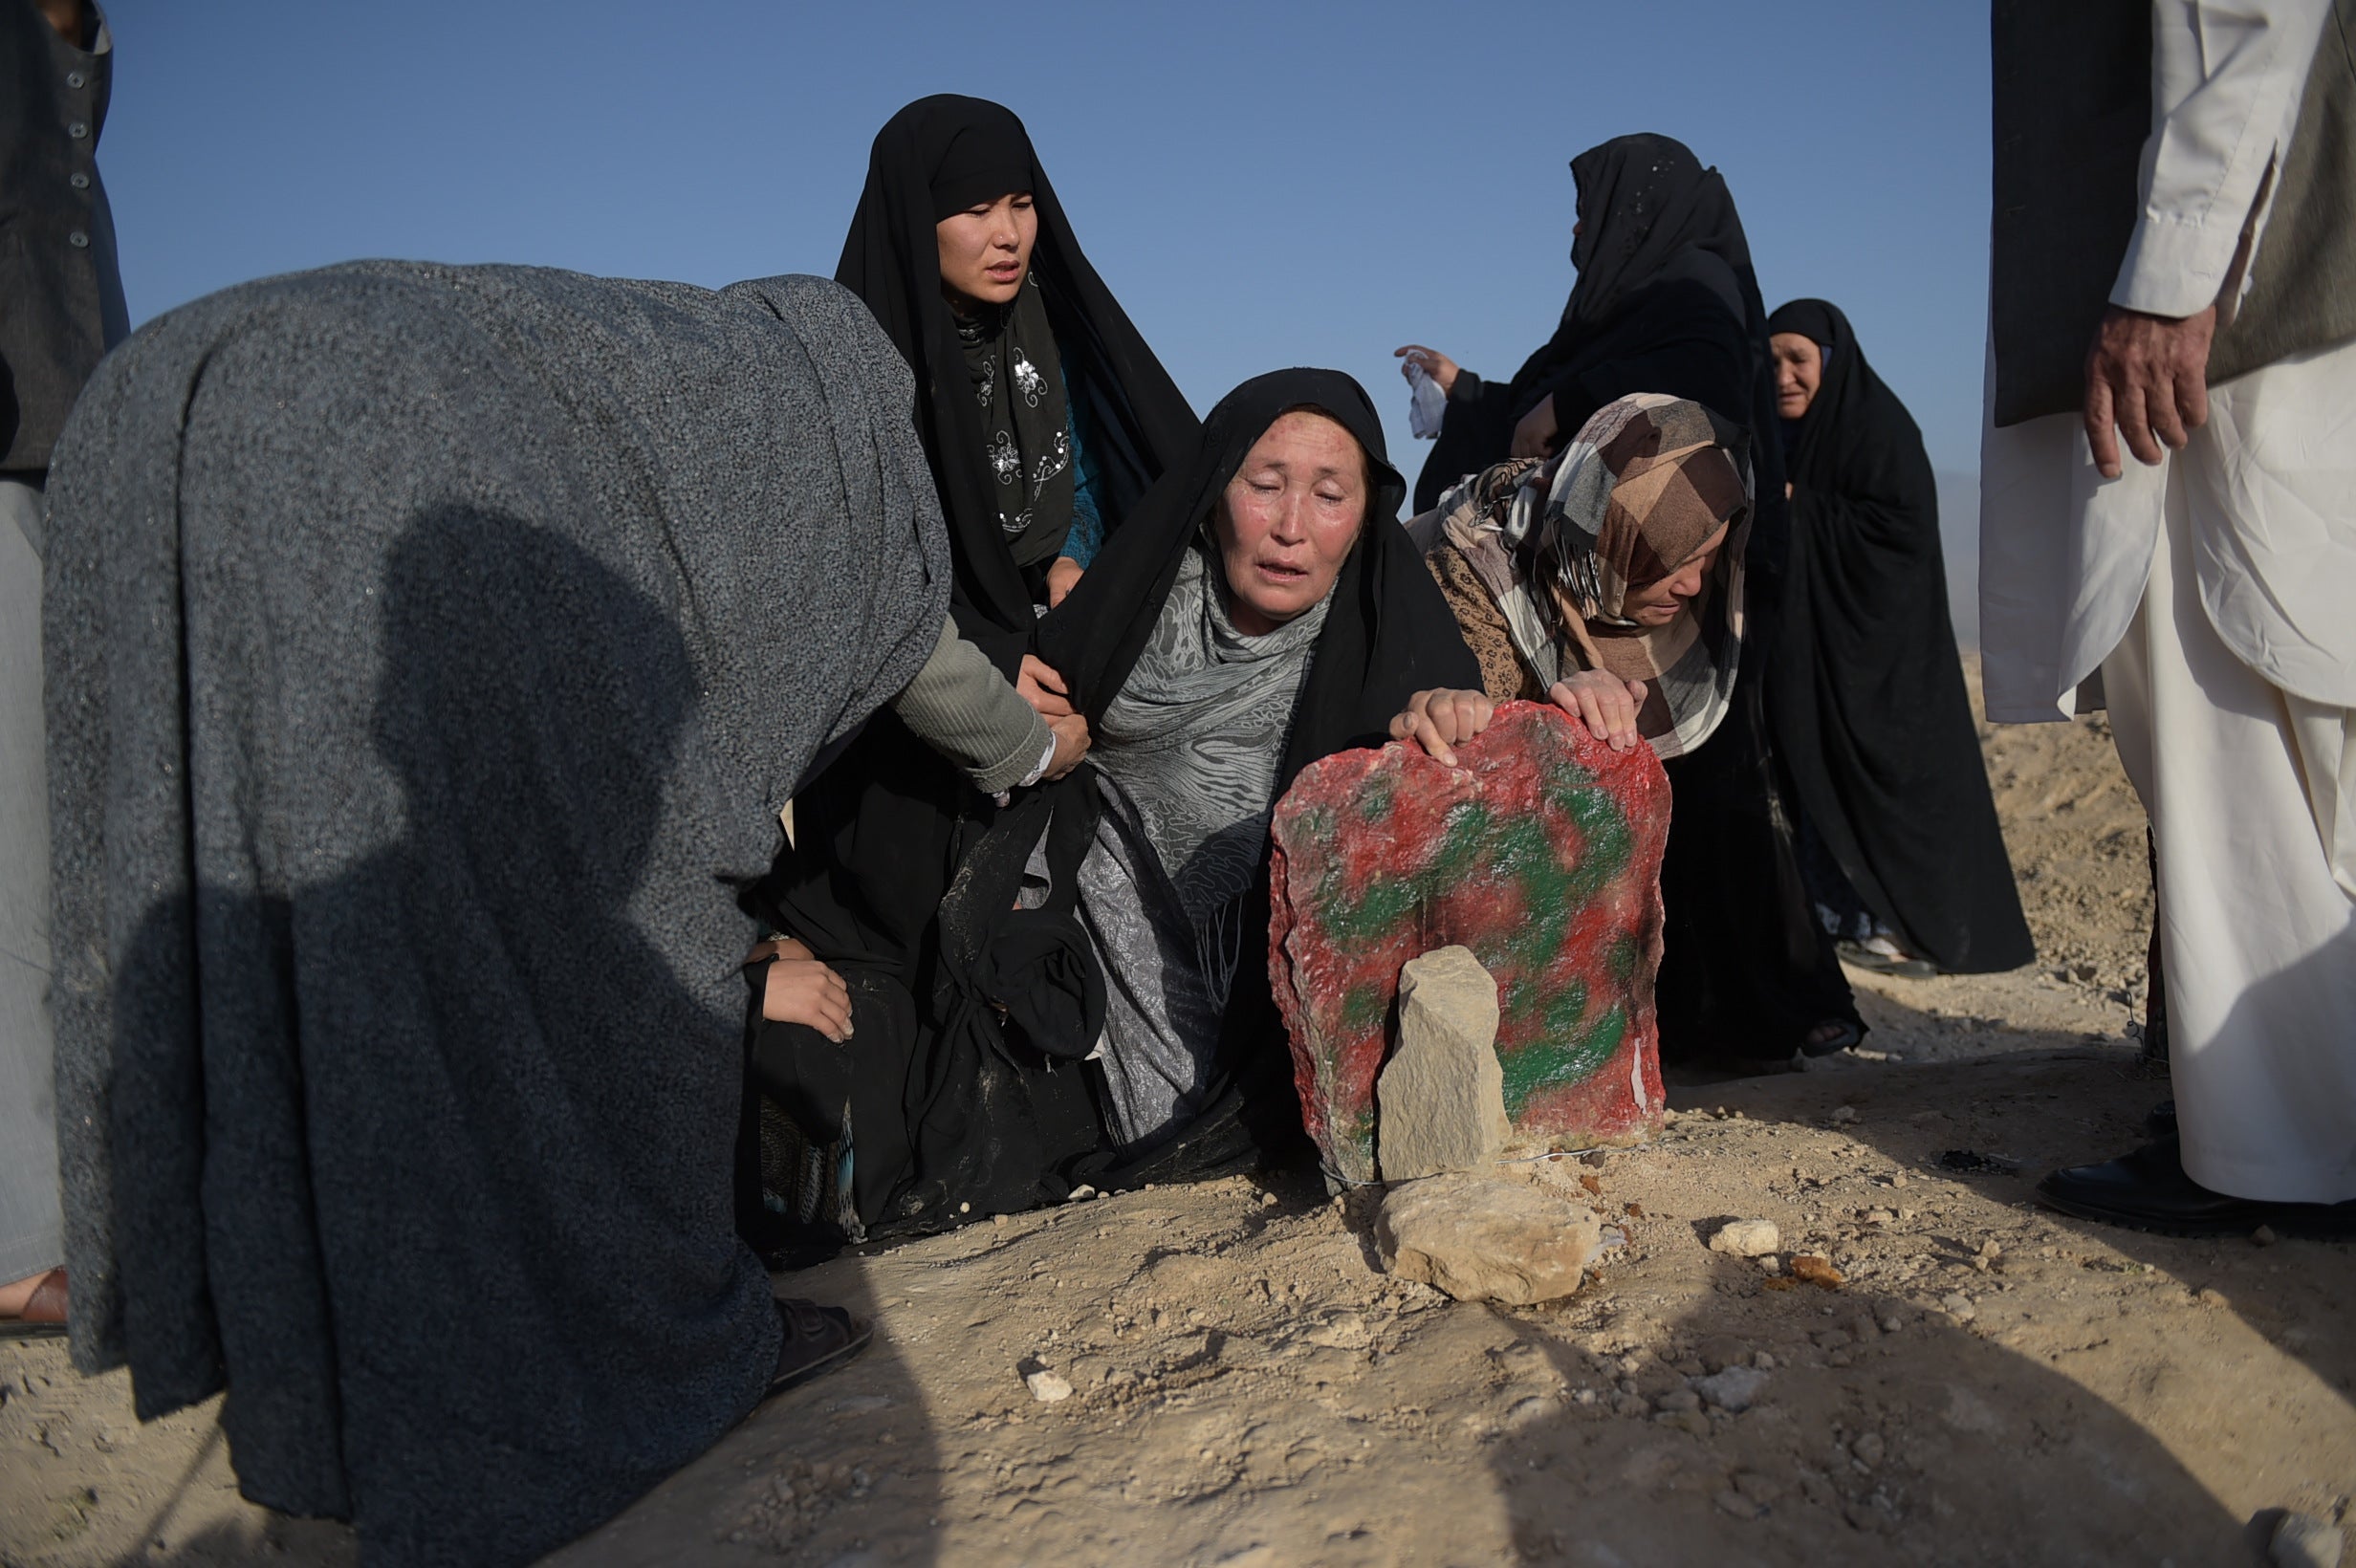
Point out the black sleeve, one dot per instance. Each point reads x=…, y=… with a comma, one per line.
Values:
x=1699, y=352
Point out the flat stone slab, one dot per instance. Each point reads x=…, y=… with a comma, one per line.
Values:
x=1486, y=1237
x=1541, y=854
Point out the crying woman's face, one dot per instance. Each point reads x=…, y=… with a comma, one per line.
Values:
x=1287, y=521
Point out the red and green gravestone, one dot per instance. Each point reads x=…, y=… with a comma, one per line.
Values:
x=1542, y=853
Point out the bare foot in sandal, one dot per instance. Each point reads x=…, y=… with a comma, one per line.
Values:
x=33, y=1305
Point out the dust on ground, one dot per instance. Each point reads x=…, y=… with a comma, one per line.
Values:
x=1987, y=1383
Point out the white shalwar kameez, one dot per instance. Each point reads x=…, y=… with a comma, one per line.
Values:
x=2216, y=594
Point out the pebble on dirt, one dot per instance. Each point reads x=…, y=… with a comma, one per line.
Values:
x=1747, y=1238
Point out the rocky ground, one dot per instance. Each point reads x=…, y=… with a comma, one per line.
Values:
x=1221, y=1374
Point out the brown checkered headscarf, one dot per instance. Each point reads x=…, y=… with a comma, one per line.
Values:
x=1639, y=490
x=1641, y=487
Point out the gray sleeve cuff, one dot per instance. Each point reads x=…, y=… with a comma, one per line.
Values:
x=961, y=706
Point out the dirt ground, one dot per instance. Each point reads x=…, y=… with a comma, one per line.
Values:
x=1989, y=1384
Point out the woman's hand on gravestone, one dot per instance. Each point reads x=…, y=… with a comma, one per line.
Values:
x=1607, y=703
x=1439, y=720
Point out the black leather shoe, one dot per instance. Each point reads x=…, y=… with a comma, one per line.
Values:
x=2160, y=1122
x=2149, y=1190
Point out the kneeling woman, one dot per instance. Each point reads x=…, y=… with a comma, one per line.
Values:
x=1262, y=608
x=1612, y=580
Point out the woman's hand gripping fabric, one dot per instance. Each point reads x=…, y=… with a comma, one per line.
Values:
x=1537, y=434
x=1043, y=687
x=1432, y=361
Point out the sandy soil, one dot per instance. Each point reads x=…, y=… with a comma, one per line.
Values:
x=1989, y=1384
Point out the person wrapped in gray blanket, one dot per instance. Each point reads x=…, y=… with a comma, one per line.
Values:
x=432, y=651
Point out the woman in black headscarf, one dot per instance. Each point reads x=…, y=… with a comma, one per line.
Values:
x=1043, y=413
x=1263, y=609
x=1044, y=418
x=1866, y=693
x=1666, y=302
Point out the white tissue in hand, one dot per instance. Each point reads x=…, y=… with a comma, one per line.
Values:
x=1427, y=404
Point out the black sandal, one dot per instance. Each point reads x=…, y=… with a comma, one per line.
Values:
x=816, y=1339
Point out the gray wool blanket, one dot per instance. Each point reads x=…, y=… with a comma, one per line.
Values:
x=429, y=650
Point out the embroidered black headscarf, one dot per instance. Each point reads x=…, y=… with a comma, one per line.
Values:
x=992, y=398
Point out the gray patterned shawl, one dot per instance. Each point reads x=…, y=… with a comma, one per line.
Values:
x=1189, y=753
x=1197, y=733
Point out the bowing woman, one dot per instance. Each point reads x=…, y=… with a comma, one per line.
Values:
x=1608, y=580
x=1901, y=847
x=1044, y=417
x=1666, y=302
x=1262, y=609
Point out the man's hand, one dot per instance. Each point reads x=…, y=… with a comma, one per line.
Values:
x=1437, y=720
x=1043, y=689
x=2149, y=377
x=1534, y=436
x=1072, y=742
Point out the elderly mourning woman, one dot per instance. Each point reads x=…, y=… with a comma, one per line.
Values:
x=1263, y=610
x=1666, y=302
x=1899, y=836
x=434, y=648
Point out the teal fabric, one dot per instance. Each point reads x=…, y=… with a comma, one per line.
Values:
x=1087, y=534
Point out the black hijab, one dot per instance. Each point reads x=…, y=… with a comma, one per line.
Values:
x=1388, y=633
x=1648, y=212
x=1866, y=693
x=939, y=156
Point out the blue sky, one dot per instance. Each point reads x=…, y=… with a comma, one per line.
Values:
x=1261, y=184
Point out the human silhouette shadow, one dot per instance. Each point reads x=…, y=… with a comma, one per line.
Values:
x=458, y=1099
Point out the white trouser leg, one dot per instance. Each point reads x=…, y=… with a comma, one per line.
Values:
x=31, y=1234
x=2249, y=793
